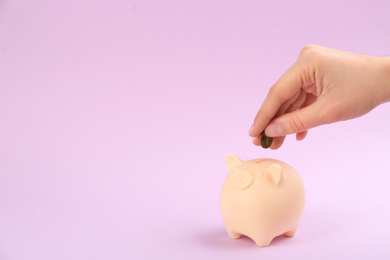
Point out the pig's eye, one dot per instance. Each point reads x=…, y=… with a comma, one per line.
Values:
x=241, y=179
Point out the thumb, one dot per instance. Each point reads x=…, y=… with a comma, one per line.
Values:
x=297, y=121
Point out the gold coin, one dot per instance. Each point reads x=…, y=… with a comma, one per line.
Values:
x=265, y=141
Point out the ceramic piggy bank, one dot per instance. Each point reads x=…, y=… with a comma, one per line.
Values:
x=261, y=199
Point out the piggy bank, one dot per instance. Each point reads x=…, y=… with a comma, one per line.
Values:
x=261, y=199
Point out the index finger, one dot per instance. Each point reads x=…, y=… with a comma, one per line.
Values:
x=285, y=88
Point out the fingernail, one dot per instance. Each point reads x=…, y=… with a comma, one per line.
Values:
x=251, y=129
x=254, y=139
x=274, y=130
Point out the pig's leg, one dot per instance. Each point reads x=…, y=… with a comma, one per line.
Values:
x=290, y=233
x=262, y=236
x=263, y=241
x=233, y=234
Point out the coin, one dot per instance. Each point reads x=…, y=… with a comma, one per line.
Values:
x=265, y=141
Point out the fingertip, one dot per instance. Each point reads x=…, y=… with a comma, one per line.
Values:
x=256, y=141
x=302, y=135
x=251, y=129
x=277, y=142
x=274, y=130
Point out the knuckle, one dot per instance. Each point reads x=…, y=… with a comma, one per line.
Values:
x=309, y=50
x=296, y=124
x=275, y=93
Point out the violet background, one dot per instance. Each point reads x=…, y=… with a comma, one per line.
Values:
x=116, y=116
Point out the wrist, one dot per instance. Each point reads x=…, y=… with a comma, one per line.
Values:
x=385, y=72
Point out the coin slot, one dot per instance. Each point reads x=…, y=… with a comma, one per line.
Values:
x=262, y=160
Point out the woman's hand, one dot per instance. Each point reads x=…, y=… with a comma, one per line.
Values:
x=322, y=87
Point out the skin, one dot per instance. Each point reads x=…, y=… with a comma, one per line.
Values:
x=324, y=86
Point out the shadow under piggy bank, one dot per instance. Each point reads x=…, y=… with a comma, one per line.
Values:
x=218, y=238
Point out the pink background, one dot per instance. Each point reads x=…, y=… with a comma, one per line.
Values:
x=116, y=116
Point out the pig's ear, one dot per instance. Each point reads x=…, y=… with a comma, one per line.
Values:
x=275, y=173
x=232, y=161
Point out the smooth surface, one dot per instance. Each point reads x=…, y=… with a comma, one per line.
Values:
x=261, y=198
x=116, y=117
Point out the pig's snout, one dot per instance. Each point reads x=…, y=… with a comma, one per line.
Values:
x=241, y=179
